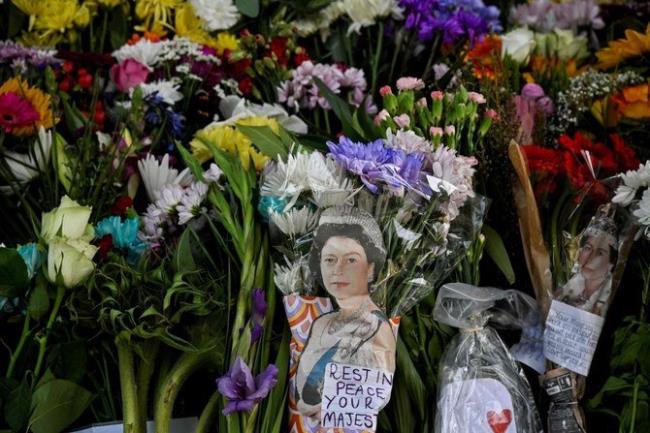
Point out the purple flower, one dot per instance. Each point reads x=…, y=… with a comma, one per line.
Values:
x=242, y=390
x=377, y=164
x=259, y=312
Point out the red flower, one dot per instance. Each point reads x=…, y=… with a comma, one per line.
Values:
x=105, y=246
x=122, y=205
x=626, y=155
x=301, y=56
x=246, y=85
x=16, y=112
x=543, y=159
x=279, y=48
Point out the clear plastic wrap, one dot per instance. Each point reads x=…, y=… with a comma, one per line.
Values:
x=481, y=387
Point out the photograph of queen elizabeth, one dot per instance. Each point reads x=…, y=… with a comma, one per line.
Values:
x=590, y=285
x=346, y=256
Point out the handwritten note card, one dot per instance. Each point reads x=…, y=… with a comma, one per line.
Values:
x=352, y=396
x=571, y=337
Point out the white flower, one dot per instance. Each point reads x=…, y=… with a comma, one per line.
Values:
x=190, y=205
x=632, y=181
x=363, y=13
x=170, y=196
x=213, y=174
x=235, y=108
x=408, y=141
x=144, y=51
x=409, y=237
x=334, y=190
x=152, y=220
x=295, y=222
x=27, y=166
x=294, y=277
x=624, y=195
x=156, y=175
x=216, y=14
x=518, y=44
x=643, y=211
x=167, y=90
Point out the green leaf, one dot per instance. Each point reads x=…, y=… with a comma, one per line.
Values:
x=339, y=106
x=119, y=28
x=69, y=361
x=13, y=273
x=314, y=142
x=613, y=384
x=39, y=302
x=62, y=162
x=74, y=120
x=16, y=21
x=193, y=164
x=183, y=259
x=266, y=141
x=56, y=405
x=17, y=409
x=497, y=252
x=250, y=8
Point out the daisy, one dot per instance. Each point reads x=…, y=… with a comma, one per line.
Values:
x=295, y=222
x=190, y=205
x=156, y=175
x=170, y=197
x=643, y=211
x=216, y=14
x=167, y=90
x=26, y=166
x=144, y=51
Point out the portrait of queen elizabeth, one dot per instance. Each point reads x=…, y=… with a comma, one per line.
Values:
x=346, y=257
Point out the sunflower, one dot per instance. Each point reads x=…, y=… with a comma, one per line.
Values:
x=634, y=44
x=23, y=109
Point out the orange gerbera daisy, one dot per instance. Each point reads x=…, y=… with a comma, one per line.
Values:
x=632, y=45
x=23, y=109
x=485, y=57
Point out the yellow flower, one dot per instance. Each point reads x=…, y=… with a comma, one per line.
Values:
x=634, y=44
x=188, y=25
x=156, y=14
x=233, y=141
x=40, y=101
x=226, y=41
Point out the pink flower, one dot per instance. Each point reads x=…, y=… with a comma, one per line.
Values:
x=422, y=102
x=450, y=130
x=476, y=97
x=403, y=120
x=385, y=90
x=128, y=74
x=381, y=116
x=437, y=95
x=410, y=83
x=492, y=114
x=16, y=112
x=532, y=91
x=436, y=131
x=545, y=104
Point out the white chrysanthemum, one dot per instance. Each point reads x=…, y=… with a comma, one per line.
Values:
x=643, y=211
x=363, y=13
x=632, y=181
x=170, y=197
x=336, y=189
x=156, y=175
x=26, y=166
x=144, y=51
x=213, y=174
x=167, y=90
x=216, y=14
x=288, y=179
x=234, y=108
x=190, y=205
x=408, y=141
x=295, y=222
x=152, y=222
x=294, y=277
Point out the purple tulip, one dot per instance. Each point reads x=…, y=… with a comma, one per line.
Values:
x=243, y=391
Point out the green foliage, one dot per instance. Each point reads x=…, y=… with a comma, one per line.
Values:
x=13, y=273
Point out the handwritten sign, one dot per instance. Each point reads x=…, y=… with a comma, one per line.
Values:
x=353, y=396
x=571, y=337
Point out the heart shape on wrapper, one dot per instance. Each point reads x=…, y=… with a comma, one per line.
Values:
x=499, y=421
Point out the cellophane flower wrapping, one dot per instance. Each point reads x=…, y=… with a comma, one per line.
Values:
x=482, y=388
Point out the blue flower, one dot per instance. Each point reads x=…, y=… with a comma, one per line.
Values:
x=268, y=204
x=124, y=234
x=32, y=256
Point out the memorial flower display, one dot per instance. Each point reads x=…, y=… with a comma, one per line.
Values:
x=320, y=216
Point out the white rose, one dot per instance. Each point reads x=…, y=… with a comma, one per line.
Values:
x=69, y=261
x=518, y=44
x=69, y=220
x=571, y=46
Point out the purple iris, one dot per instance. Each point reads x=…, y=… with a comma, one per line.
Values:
x=453, y=19
x=376, y=164
x=259, y=312
x=244, y=391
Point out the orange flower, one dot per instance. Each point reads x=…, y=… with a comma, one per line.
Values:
x=634, y=44
x=630, y=103
x=485, y=57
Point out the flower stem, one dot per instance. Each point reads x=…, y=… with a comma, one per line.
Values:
x=19, y=349
x=145, y=373
x=131, y=417
x=187, y=364
x=42, y=343
x=209, y=413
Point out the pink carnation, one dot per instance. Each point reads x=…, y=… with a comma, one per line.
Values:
x=403, y=120
x=492, y=114
x=422, y=102
x=450, y=130
x=381, y=116
x=476, y=97
x=128, y=74
x=410, y=83
x=437, y=95
x=385, y=90
x=436, y=131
